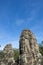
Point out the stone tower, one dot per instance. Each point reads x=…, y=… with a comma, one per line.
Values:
x=29, y=50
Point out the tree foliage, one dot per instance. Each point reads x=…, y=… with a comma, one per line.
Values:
x=41, y=48
x=1, y=55
x=16, y=54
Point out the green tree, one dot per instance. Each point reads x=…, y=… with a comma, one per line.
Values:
x=16, y=54
x=41, y=48
x=1, y=55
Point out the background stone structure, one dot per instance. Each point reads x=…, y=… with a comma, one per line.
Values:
x=8, y=56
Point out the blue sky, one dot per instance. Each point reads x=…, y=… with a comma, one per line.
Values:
x=16, y=15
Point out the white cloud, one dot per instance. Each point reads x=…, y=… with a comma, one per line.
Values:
x=19, y=22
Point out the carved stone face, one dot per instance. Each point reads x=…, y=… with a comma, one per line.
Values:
x=27, y=47
x=24, y=42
